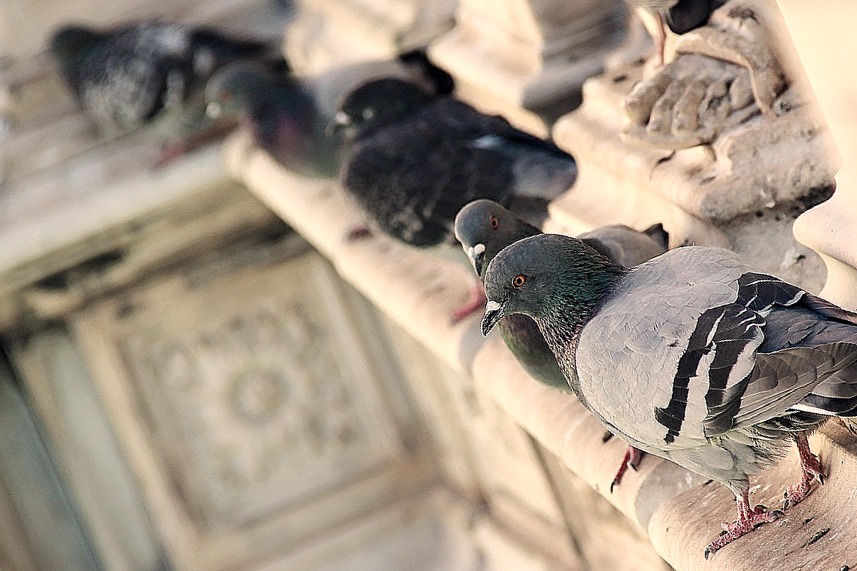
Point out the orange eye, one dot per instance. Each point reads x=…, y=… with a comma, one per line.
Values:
x=494, y=222
x=519, y=280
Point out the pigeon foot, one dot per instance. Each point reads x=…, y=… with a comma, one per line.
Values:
x=811, y=470
x=475, y=302
x=631, y=459
x=748, y=520
x=358, y=233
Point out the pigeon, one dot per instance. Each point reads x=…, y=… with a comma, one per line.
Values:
x=692, y=356
x=129, y=77
x=281, y=114
x=484, y=228
x=292, y=118
x=415, y=159
x=681, y=16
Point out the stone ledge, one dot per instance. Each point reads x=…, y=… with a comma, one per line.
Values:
x=105, y=225
x=417, y=289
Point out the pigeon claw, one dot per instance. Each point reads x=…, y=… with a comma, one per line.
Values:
x=811, y=470
x=358, y=233
x=747, y=521
x=475, y=302
x=631, y=459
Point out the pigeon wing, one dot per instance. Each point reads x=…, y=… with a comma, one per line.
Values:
x=645, y=357
x=414, y=176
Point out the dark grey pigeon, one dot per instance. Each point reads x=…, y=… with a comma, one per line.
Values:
x=417, y=159
x=692, y=356
x=128, y=77
x=484, y=228
x=281, y=114
x=292, y=119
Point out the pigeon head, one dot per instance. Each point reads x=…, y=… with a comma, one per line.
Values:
x=544, y=276
x=236, y=88
x=484, y=228
x=377, y=103
x=71, y=45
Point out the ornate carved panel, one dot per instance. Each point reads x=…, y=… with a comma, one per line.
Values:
x=260, y=406
x=254, y=404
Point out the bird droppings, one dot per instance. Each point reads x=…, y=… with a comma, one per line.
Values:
x=818, y=535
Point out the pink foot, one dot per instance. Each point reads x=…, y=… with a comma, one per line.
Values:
x=630, y=460
x=169, y=153
x=811, y=470
x=748, y=520
x=474, y=303
x=358, y=233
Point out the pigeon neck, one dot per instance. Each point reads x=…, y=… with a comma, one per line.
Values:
x=565, y=316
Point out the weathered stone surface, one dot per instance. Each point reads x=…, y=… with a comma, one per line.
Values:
x=331, y=33
x=761, y=163
x=237, y=396
x=520, y=58
x=743, y=191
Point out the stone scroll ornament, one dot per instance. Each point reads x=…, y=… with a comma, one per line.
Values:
x=722, y=75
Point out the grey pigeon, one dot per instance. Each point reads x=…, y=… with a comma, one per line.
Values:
x=417, y=159
x=281, y=114
x=484, y=228
x=128, y=77
x=692, y=356
x=681, y=16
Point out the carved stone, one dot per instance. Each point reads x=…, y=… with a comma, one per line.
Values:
x=243, y=396
x=520, y=58
x=741, y=187
x=332, y=33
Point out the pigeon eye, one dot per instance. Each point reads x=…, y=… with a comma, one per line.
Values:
x=368, y=113
x=494, y=222
x=519, y=280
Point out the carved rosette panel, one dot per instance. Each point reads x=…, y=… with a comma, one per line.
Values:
x=263, y=403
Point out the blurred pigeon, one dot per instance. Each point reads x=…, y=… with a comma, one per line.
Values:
x=484, y=228
x=681, y=16
x=127, y=77
x=282, y=115
x=417, y=159
x=292, y=118
x=692, y=356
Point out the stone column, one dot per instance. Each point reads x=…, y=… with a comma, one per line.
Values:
x=332, y=33
x=506, y=55
x=822, y=33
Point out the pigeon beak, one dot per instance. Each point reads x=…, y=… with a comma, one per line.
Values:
x=213, y=110
x=477, y=257
x=493, y=313
x=341, y=122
